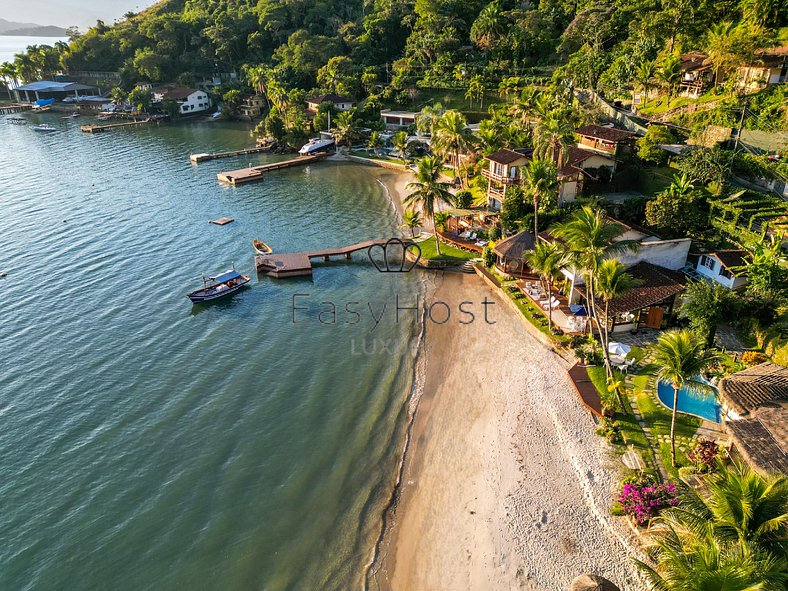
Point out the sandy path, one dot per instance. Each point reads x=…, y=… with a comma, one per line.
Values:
x=506, y=483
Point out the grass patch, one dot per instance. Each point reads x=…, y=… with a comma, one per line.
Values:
x=661, y=104
x=655, y=180
x=657, y=418
x=532, y=312
x=382, y=158
x=448, y=252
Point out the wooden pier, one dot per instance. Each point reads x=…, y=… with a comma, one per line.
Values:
x=113, y=126
x=197, y=158
x=14, y=108
x=300, y=263
x=255, y=173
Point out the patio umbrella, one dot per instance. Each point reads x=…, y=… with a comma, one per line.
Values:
x=632, y=460
x=618, y=349
x=592, y=583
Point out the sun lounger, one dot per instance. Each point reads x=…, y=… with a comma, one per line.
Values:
x=472, y=236
x=482, y=243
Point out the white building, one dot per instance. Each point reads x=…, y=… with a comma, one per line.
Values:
x=190, y=100
x=722, y=267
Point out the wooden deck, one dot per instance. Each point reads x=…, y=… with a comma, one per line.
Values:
x=585, y=388
x=113, y=126
x=459, y=242
x=256, y=173
x=14, y=108
x=300, y=263
x=197, y=158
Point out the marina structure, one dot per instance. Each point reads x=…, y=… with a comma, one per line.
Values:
x=256, y=173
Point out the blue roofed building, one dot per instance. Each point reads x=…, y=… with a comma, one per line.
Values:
x=49, y=89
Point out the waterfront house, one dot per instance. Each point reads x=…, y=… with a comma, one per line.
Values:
x=48, y=89
x=398, y=119
x=697, y=74
x=768, y=67
x=510, y=252
x=341, y=103
x=189, y=100
x=504, y=169
x=723, y=267
x=605, y=139
x=755, y=403
x=251, y=107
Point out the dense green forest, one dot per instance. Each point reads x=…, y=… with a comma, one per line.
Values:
x=358, y=46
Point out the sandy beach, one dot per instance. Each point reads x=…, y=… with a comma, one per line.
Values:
x=506, y=485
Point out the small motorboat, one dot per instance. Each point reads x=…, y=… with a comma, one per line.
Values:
x=223, y=285
x=72, y=116
x=316, y=146
x=44, y=127
x=261, y=247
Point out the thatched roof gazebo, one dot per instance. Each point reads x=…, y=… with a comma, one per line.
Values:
x=510, y=251
x=588, y=582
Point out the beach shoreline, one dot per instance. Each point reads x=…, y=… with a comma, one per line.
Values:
x=504, y=484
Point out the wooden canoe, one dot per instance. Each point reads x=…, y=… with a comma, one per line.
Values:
x=261, y=247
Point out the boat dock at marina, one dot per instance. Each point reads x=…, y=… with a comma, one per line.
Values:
x=197, y=158
x=300, y=263
x=255, y=173
x=113, y=126
x=14, y=108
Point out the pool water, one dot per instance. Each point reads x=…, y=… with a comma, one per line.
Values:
x=704, y=406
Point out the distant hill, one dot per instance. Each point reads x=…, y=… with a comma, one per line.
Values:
x=30, y=29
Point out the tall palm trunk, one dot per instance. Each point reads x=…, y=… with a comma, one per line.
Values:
x=673, y=426
x=550, y=305
x=605, y=336
x=536, y=215
x=437, y=240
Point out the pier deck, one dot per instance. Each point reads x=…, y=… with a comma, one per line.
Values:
x=111, y=126
x=14, y=108
x=300, y=263
x=255, y=173
x=197, y=158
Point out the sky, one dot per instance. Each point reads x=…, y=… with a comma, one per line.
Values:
x=64, y=13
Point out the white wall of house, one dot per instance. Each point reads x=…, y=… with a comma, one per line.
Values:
x=567, y=191
x=670, y=254
x=710, y=268
x=195, y=102
x=598, y=161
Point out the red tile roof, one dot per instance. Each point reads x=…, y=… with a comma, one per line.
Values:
x=507, y=156
x=610, y=134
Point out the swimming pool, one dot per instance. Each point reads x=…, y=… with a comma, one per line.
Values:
x=706, y=407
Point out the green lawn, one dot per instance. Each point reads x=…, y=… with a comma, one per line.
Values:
x=657, y=418
x=381, y=158
x=660, y=105
x=448, y=252
x=531, y=311
x=654, y=180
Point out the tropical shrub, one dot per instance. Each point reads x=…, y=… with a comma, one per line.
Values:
x=463, y=199
x=649, y=145
x=704, y=455
x=750, y=358
x=610, y=430
x=488, y=255
x=644, y=500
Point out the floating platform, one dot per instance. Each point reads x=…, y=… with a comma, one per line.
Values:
x=14, y=108
x=300, y=263
x=222, y=221
x=197, y=158
x=112, y=126
x=255, y=173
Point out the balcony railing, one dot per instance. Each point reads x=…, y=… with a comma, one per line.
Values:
x=499, y=178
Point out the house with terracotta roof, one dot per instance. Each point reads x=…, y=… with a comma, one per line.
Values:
x=340, y=102
x=768, y=67
x=723, y=267
x=605, y=139
x=755, y=402
x=504, y=169
x=189, y=100
x=697, y=74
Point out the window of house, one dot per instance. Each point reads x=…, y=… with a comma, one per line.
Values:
x=725, y=273
x=707, y=262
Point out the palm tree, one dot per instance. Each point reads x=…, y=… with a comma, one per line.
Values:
x=345, y=128
x=8, y=75
x=590, y=237
x=553, y=137
x=490, y=26
x=644, y=77
x=429, y=191
x=612, y=280
x=509, y=87
x=451, y=135
x=731, y=537
x=411, y=219
x=678, y=358
x=719, y=48
x=428, y=117
x=546, y=260
x=670, y=74
x=475, y=91
x=118, y=96
x=400, y=143
x=540, y=179
x=375, y=142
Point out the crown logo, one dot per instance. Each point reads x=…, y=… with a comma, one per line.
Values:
x=393, y=256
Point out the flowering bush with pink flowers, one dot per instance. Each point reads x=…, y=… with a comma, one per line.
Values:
x=644, y=500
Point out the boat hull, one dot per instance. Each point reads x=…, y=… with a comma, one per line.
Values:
x=214, y=292
x=261, y=247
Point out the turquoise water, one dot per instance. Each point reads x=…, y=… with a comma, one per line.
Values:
x=146, y=444
x=706, y=407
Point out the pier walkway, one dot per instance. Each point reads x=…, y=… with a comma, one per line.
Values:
x=300, y=263
x=14, y=108
x=255, y=173
x=112, y=126
x=197, y=158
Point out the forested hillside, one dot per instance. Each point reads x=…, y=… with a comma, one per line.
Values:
x=428, y=42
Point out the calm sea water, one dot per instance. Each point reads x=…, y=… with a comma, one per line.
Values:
x=11, y=45
x=149, y=445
